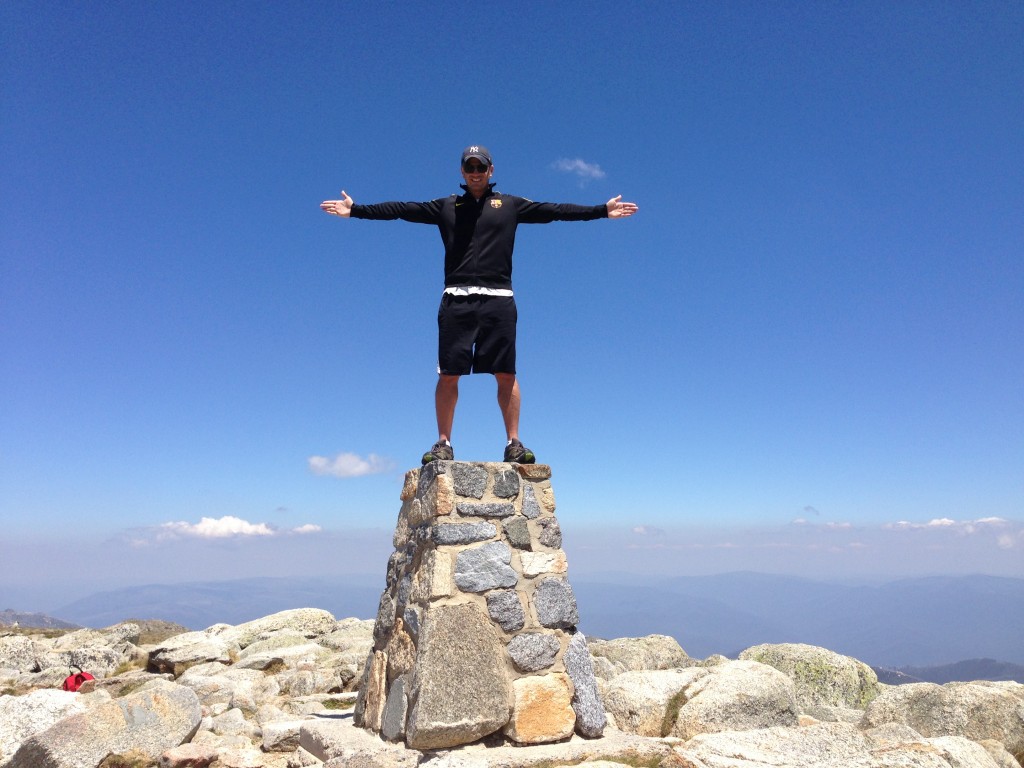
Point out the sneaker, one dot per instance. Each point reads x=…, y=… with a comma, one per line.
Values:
x=519, y=453
x=440, y=451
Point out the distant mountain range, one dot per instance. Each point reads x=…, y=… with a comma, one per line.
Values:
x=900, y=625
x=11, y=618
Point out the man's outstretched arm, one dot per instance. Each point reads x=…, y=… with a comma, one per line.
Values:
x=618, y=209
x=343, y=207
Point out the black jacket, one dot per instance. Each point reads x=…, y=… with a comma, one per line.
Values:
x=479, y=235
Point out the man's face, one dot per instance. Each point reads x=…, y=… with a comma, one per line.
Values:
x=477, y=175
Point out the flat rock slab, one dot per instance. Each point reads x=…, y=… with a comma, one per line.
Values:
x=336, y=740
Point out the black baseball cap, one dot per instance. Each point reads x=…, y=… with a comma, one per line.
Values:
x=477, y=151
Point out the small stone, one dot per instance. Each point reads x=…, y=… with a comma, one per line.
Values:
x=434, y=578
x=470, y=480
x=531, y=509
x=536, y=563
x=550, y=533
x=517, y=532
x=392, y=726
x=506, y=483
x=534, y=472
x=505, y=608
x=489, y=509
x=533, y=651
x=586, y=700
x=412, y=479
x=411, y=619
x=485, y=567
x=375, y=691
x=547, y=500
x=385, y=618
x=542, y=711
x=555, y=604
x=462, y=533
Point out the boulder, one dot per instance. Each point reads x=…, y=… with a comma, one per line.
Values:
x=586, y=701
x=826, y=745
x=310, y=622
x=160, y=716
x=739, y=695
x=639, y=700
x=822, y=678
x=177, y=654
x=978, y=711
x=632, y=654
x=24, y=716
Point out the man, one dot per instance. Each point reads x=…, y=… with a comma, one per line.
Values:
x=477, y=318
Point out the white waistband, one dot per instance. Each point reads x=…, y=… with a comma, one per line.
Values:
x=469, y=290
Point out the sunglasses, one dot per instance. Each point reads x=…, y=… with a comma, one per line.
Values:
x=474, y=168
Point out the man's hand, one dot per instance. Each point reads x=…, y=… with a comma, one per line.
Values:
x=343, y=207
x=618, y=209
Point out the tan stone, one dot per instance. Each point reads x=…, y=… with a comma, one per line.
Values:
x=444, y=495
x=412, y=479
x=376, y=695
x=401, y=652
x=536, y=563
x=542, y=711
x=434, y=579
x=547, y=500
x=534, y=472
x=401, y=536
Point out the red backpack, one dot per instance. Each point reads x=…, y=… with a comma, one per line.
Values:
x=74, y=682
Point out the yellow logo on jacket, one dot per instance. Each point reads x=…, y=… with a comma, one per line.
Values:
x=495, y=202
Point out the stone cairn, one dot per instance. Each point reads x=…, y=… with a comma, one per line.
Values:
x=476, y=630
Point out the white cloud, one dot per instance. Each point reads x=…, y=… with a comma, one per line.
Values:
x=946, y=524
x=218, y=528
x=648, y=530
x=307, y=528
x=578, y=166
x=348, y=465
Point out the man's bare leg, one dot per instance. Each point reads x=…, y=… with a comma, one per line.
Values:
x=446, y=395
x=508, y=401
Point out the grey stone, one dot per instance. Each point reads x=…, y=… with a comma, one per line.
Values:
x=517, y=532
x=533, y=651
x=463, y=533
x=470, y=480
x=385, y=618
x=428, y=473
x=550, y=533
x=160, y=716
x=586, y=700
x=23, y=716
x=392, y=726
x=485, y=509
x=633, y=654
x=505, y=608
x=555, y=604
x=485, y=567
x=460, y=690
x=411, y=619
x=506, y=484
x=531, y=507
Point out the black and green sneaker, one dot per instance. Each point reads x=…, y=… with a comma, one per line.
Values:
x=440, y=451
x=518, y=453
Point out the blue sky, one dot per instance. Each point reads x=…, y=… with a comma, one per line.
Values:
x=804, y=354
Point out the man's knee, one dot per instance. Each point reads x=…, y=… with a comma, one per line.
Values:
x=505, y=380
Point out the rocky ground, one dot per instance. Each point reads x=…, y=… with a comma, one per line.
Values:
x=277, y=693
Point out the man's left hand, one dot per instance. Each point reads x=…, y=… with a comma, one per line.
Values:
x=619, y=210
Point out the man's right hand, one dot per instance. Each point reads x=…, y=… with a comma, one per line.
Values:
x=341, y=207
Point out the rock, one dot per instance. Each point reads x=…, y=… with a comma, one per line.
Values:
x=542, y=709
x=586, y=702
x=517, y=532
x=161, y=716
x=533, y=651
x=531, y=509
x=639, y=700
x=281, y=735
x=19, y=653
x=555, y=604
x=24, y=716
x=550, y=533
x=978, y=711
x=821, y=677
x=632, y=654
x=462, y=533
x=485, y=509
x=826, y=745
x=485, y=567
x=470, y=479
x=506, y=484
x=177, y=654
x=460, y=692
x=188, y=756
x=538, y=563
x=505, y=608
x=246, y=689
x=740, y=695
x=311, y=622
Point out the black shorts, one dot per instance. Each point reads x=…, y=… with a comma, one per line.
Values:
x=476, y=334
